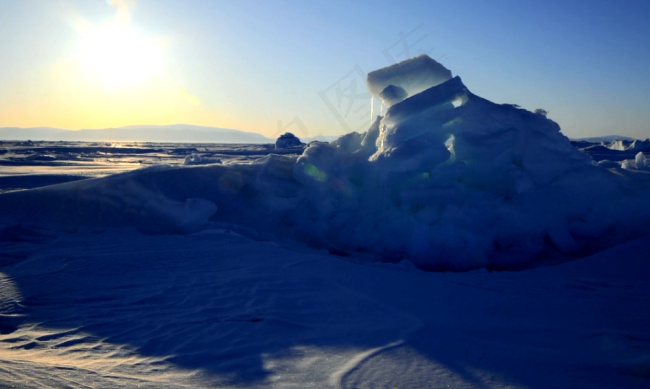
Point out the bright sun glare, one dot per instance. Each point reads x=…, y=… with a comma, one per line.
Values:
x=118, y=56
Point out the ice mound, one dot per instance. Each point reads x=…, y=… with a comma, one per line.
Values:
x=407, y=78
x=449, y=180
x=626, y=145
x=446, y=180
x=640, y=162
x=287, y=140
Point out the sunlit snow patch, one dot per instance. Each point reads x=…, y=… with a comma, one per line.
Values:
x=640, y=162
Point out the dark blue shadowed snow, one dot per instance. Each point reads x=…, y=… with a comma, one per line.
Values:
x=104, y=307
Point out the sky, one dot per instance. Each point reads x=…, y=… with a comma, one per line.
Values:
x=300, y=66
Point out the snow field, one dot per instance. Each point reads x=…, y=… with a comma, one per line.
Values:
x=215, y=309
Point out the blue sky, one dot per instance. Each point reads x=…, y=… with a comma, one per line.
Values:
x=292, y=65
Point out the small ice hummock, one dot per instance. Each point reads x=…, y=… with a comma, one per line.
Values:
x=640, y=162
x=395, y=83
x=287, y=140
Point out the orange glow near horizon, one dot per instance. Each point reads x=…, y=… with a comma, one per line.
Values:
x=73, y=107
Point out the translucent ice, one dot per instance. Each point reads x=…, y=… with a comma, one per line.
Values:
x=401, y=80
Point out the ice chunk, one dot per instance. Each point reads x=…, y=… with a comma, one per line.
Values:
x=630, y=145
x=287, y=140
x=619, y=145
x=640, y=145
x=458, y=182
x=393, y=94
x=196, y=159
x=395, y=83
x=640, y=160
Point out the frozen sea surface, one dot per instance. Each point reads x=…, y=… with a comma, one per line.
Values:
x=26, y=165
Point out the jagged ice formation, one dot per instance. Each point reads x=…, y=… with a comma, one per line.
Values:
x=446, y=180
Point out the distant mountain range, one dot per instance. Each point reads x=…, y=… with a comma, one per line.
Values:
x=605, y=138
x=176, y=133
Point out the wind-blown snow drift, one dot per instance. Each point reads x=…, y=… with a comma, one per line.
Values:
x=446, y=179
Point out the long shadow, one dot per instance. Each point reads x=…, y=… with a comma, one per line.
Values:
x=196, y=302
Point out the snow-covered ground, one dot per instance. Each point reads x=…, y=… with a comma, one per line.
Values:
x=296, y=266
x=112, y=307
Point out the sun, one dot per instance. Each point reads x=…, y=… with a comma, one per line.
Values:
x=117, y=56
